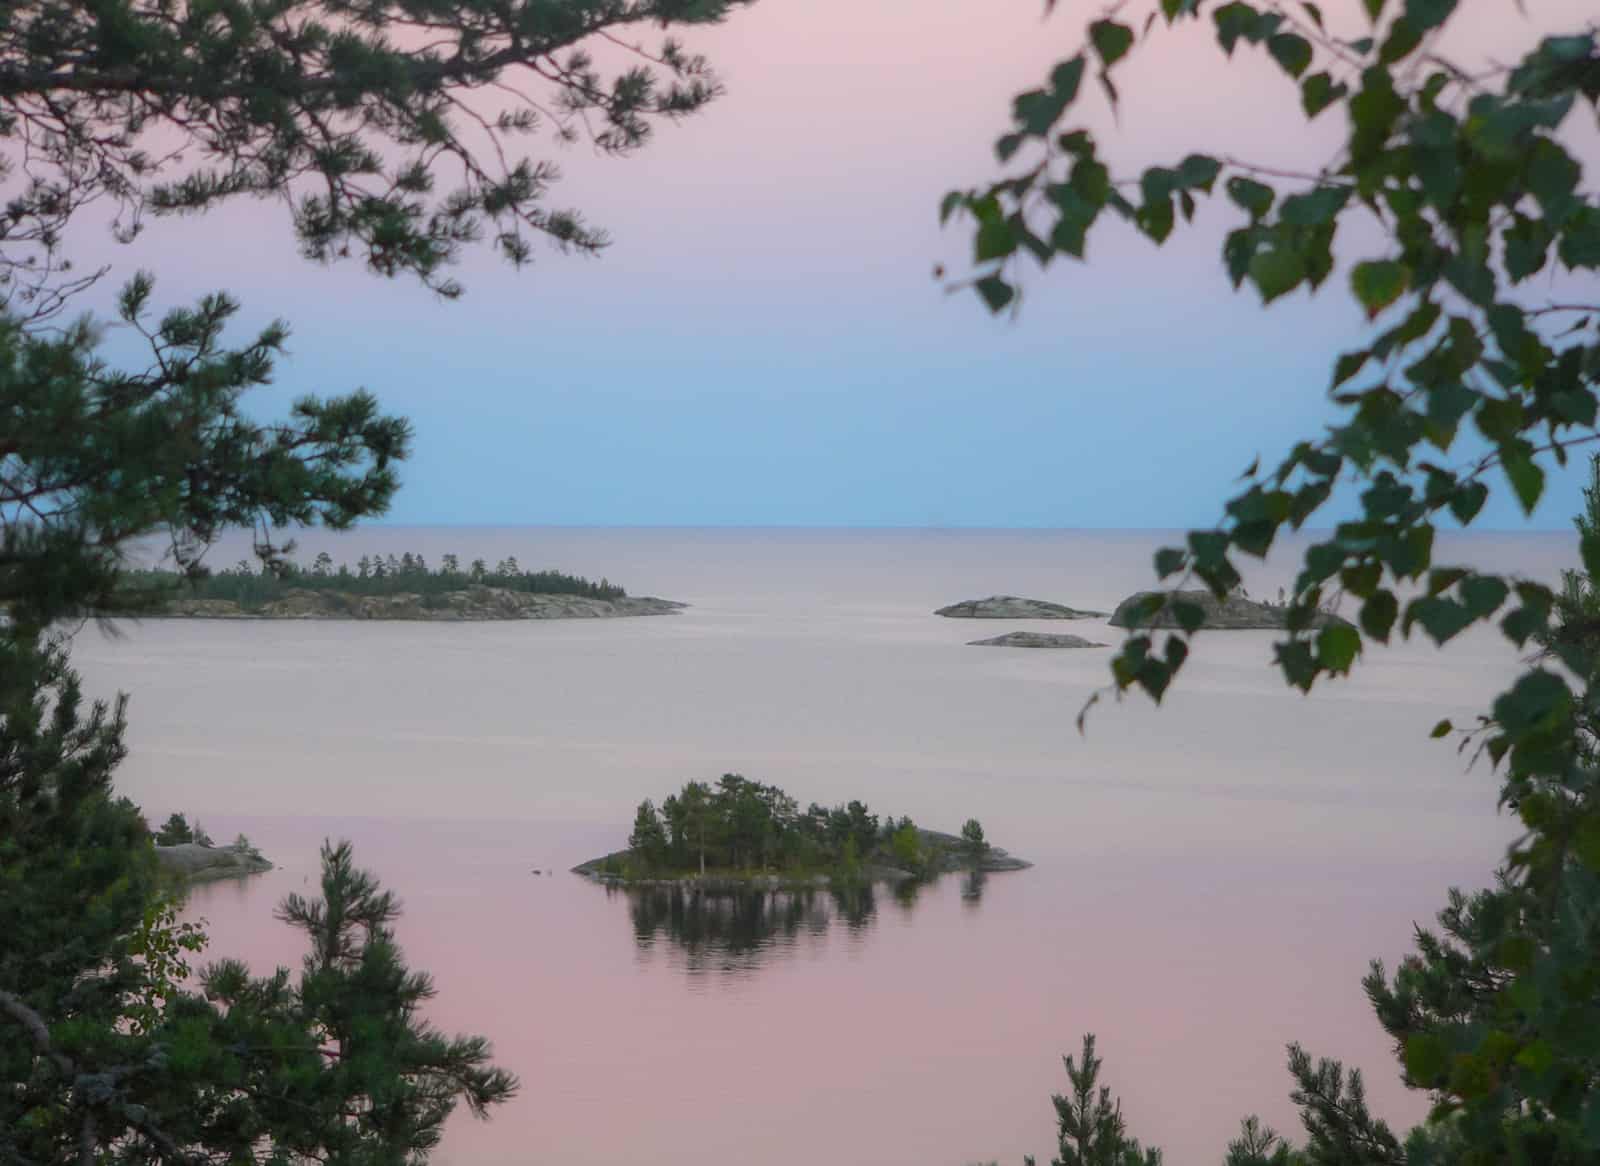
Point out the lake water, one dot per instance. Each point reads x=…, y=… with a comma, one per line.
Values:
x=1211, y=878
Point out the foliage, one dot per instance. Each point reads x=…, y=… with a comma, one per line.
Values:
x=94, y=458
x=973, y=840
x=388, y=130
x=740, y=824
x=251, y=586
x=333, y=1066
x=76, y=877
x=1467, y=177
x=164, y=945
x=1470, y=181
x=906, y=848
x=1090, y=1129
x=174, y=831
x=648, y=840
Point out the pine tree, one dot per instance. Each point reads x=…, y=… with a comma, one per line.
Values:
x=391, y=129
x=336, y=1065
x=698, y=812
x=648, y=840
x=174, y=830
x=1090, y=1130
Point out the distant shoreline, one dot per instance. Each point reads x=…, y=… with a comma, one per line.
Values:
x=475, y=603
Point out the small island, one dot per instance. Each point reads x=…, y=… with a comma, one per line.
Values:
x=1034, y=640
x=740, y=833
x=391, y=588
x=188, y=855
x=1236, y=613
x=1014, y=607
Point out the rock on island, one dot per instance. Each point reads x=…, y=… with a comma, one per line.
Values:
x=1014, y=607
x=1236, y=613
x=1034, y=640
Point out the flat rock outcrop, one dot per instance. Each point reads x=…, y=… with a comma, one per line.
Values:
x=1034, y=640
x=1014, y=607
x=470, y=603
x=1234, y=613
x=198, y=864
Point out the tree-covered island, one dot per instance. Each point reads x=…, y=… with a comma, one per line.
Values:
x=387, y=587
x=741, y=831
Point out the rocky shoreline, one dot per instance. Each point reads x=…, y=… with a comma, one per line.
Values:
x=194, y=863
x=1035, y=640
x=475, y=602
x=948, y=847
x=1013, y=607
x=1236, y=613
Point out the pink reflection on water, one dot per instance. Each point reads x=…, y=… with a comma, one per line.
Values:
x=930, y=1033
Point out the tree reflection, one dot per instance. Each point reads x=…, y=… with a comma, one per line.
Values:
x=738, y=929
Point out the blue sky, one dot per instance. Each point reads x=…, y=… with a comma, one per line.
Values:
x=765, y=343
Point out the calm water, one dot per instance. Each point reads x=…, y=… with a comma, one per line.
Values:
x=1211, y=878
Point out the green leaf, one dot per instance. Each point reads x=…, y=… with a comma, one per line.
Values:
x=995, y=240
x=1066, y=77
x=1337, y=647
x=1111, y=40
x=1276, y=272
x=1251, y=195
x=1524, y=474
x=1378, y=283
x=1429, y=14
x=1378, y=614
x=1527, y=242
x=1442, y=729
x=1468, y=500
x=1319, y=91
x=1402, y=41
x=1169, y=561
x=1580, y=241
x=1348, y=365
x=1553, y=177
x=1443, y=619
x=1035, y=111
x=1199, y=171
x=1374, y=9
x=1314, y=207
x=949, y=204
x=1291, y=51
x=1483, y=594
x=996, y=292
x=1233, y=21
x=1294, y=657
x=1190, y=616
x=1538, y=700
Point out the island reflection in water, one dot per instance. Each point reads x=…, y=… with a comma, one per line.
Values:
x=739, y=931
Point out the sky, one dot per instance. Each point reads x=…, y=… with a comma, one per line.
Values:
x=764, y=343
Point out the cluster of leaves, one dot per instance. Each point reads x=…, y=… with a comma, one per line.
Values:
x=93, y=458
x=251, y=585
x=739, y=824
x=1468, y=179
x=387, y=128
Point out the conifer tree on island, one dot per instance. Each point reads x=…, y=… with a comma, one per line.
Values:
x=1476, y=378
x=388, y=132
